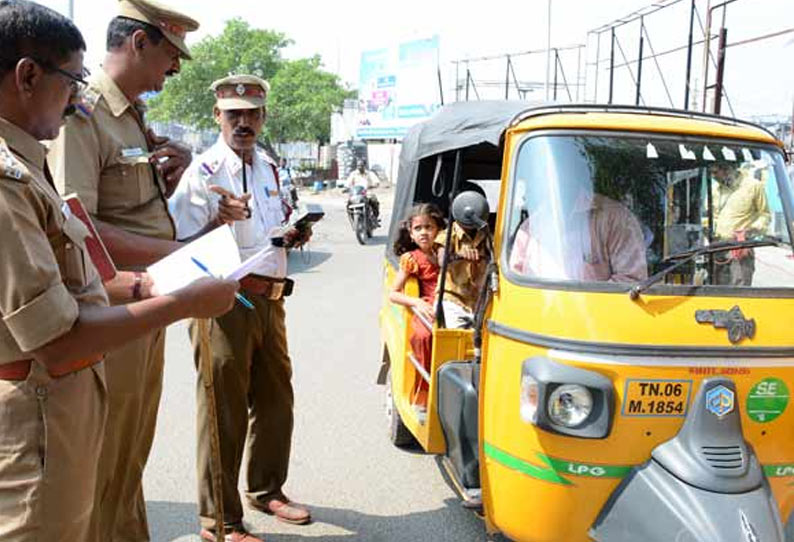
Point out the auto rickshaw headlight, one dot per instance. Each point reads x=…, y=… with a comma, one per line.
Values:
x=570, y=405
x=564, y=399
x=530, y=397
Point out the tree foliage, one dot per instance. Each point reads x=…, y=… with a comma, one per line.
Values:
x=302, y=95
x=302, y=98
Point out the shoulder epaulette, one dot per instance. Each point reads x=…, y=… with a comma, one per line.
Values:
x=88, y=102
x=208, y=169
x=10, y=167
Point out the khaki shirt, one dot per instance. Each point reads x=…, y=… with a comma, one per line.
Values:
x=95, y=156
x=45, y=270
x=741, y=206
x=464, y=277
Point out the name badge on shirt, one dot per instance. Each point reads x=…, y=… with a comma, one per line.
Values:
x=65, y=210
x=134, y=155
x=272, y=193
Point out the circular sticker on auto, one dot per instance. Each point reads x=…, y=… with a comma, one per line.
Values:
x=767, y=400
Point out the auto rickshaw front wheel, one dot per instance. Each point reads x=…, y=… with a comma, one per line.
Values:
x=399, y=435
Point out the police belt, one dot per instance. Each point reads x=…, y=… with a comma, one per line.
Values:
x=19, y=370
x=268, y=287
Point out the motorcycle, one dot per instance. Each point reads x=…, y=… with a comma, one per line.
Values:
x=289, y=194
x=361, y=213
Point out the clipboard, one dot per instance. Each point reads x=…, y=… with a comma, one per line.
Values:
x=96, y=248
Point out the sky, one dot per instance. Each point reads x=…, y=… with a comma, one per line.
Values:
x=759, y=76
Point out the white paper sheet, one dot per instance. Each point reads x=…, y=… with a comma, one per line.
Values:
x=219, y=253
x=217, y=250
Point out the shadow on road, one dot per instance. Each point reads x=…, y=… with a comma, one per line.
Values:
x=170, y=521
x=301, y=262
x=378, y=240
x=436, y=525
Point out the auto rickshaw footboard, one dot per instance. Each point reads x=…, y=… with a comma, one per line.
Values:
x=457, y=410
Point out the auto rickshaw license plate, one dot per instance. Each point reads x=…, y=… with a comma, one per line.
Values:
x=666, y=398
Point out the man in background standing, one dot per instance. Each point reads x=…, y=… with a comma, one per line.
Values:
x=124, y=174
x=740, y=212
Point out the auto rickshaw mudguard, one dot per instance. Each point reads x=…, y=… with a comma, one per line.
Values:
x=703, y=485
x=652, y=505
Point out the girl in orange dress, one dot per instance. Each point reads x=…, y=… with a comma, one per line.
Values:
x=418, y=252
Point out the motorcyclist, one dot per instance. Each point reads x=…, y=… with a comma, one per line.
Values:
x=287, y=185
x=361, y=176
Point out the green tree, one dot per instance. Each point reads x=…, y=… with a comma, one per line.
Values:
x=302, y=98
x=302, y=95
x=240, y=49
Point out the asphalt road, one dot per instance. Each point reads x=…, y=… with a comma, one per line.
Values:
x=357, y=484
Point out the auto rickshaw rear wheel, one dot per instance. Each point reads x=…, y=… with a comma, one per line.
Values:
x=399, y=435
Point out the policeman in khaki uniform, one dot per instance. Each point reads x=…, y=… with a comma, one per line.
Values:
x=124, y=174
x=55, y=320
x=251, y=366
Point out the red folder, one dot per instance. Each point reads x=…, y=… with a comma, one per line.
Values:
x=96, y=248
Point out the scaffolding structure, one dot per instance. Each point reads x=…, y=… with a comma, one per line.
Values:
x=699, y=25
x=506, y=76
x=669, y=53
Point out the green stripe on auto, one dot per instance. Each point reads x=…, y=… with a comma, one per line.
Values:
x=779, y=471
x=583, y=469
x=397, y=313
x=510, y=461
x=554, y=468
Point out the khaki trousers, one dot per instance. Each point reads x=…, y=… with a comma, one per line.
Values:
x=735, y=272
x=50, y=436
x=252, y=378
x=135, y=381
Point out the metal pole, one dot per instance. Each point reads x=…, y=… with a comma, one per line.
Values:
x=579, y=81
x=456, y=176
x=507, y=78
x=556, y=62
x=612, y=66
x=598, y=63
x=457, y=81
x=791, y=141
x=440, y=86
x=720, y=71
x=639, y=64
x=706, y=51
x=468, y=75
x=548, y=49
x=216, y=472
x=71, y=9
x=689, y=56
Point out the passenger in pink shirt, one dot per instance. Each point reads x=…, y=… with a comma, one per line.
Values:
x=599, y=240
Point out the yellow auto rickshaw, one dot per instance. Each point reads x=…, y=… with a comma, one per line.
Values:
x=626, y=372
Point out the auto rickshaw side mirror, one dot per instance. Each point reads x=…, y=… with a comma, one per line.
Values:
x=470, y=210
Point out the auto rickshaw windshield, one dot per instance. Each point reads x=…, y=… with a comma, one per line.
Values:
x=616, y=209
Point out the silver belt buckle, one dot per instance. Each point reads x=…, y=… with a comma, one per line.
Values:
x=276, y=290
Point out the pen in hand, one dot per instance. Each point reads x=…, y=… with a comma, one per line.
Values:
x=240, y=297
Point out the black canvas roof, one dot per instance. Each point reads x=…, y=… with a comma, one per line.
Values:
x=455, y=126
